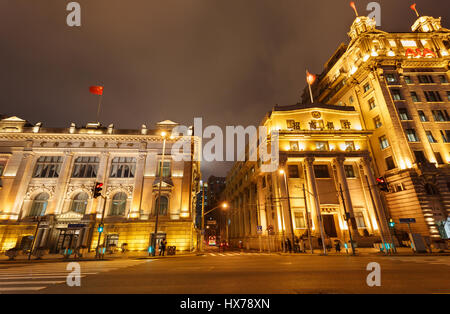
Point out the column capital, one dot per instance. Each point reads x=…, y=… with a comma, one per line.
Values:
x=339, y=160
x=309, y=160
x=366, y=160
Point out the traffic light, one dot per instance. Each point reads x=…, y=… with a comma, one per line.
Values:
x=382, y=184
x=100, y=228
x=98, y=189
x=391, y=223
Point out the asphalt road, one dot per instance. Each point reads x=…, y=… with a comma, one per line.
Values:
x=239, y=273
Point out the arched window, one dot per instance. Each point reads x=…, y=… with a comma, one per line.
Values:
x=79, y=203
x=39, y=205
x=118, y=205
x=164, y=205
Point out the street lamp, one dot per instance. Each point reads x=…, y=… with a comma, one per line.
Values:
x=224, y=205
x=161, y=168
x=282, y=172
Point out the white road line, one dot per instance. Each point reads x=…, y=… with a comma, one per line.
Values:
x=34, y=277
x=21, y=288
x=30, y=282
x=212, y=254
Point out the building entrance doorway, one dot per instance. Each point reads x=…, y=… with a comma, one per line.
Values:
x=329, y=226
x=67, y=239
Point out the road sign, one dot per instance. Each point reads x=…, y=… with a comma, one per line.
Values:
x=407, y=220
x=259, y=229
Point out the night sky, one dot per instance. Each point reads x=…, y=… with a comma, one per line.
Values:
x=228, y=61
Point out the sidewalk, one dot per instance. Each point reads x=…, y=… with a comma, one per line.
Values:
x=23, y=259
x=402, y=251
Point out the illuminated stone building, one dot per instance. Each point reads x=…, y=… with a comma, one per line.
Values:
x=323, y=148
x=48, y=174
x=399, y=84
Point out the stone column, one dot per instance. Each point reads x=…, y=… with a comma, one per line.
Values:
x=21, y=181
x=102, y=176
x=339, y=162
x=312, y=189
x=138, y=184
x=382, y=221
x=55, y=206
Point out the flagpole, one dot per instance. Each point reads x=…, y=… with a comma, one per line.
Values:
x=309, y=86
x=98, y=107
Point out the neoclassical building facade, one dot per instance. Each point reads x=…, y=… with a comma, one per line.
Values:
x=323, y=149
x=48, y=175
x=399, y=83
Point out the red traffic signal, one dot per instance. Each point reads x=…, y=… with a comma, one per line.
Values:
x=382, y=184
x=98, y=189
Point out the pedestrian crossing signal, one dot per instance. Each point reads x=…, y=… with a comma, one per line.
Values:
x=391, y=223
x=98, y=189
x=100, y=228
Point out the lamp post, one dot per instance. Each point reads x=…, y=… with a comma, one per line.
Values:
x=224, y=205
x=161, y=168
x=282, y=172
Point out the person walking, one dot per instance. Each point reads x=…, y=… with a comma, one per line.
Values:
x=163, y=247
x=338, y=247
x=289, y=245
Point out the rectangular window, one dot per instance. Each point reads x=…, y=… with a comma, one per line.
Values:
x=384, y=143
x=264, y=182
x=426, y=79
x=408, y=80
x=2, y=168
x=403, y=113
x=448, y=96
x=47, y=167
x=390, y=163
x=430, y=137
x=439, y=159
x=396, y=95
x=323, y=146
x=349, y=171
x=438, y=116
x=408, y=43
x=372, y=103
x=422, y=116
x=85, y=167
x=443, y=79
x=411, y=135
x=123, y=167
x=420, y=156
x=391, y=78
x=377, y=122
x=415, y=97
x=293, y=171
x=360, y=222
x=166, y=169
x=445, y=137
x=321, y=171
x=432, y=96
x=300, y=221
x=366, y=87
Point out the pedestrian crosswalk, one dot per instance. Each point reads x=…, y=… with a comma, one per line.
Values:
x=239, y=254
x=30, y=278
x=442, y=260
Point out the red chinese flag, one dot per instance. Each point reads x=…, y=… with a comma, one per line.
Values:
x=310, y=78
x=353, y=5
x=96, y=90
x=413, y=7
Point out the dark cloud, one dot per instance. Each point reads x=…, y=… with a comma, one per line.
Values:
x=228, y=61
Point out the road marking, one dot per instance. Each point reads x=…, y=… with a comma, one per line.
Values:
x=7, y=283
x=34, y=277
x=22, y=288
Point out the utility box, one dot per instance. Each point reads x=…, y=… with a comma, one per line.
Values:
x=417, y=243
